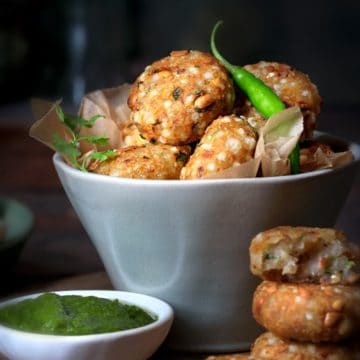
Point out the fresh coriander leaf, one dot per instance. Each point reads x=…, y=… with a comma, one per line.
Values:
x=95, y=139
x=89, y=123
x=103, y=155
x=68, y=120
x=79, y=121
x=75, y=122
x=60, y=113
x=68, y=149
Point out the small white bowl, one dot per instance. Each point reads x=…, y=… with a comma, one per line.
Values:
x=134, y=344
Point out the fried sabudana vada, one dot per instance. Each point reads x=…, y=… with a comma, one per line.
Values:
x=308, y=312
x=304, y=254
x=228, y=141
x=177, y=97
x=292, y=86
x=145, y=162
x=270, y=347
x=229, y=357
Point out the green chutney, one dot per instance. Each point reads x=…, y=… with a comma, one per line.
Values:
x=55, y=314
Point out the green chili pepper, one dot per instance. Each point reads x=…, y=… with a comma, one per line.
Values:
x=265, y=101
x=294, y=158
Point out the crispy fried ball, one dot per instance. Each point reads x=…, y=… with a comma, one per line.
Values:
x=145, y=162
x=229, y=357
x=177, y=97
x=308, y=312
x=227, y=142
x=292, y=86
x=305, y=254
x=271, y=347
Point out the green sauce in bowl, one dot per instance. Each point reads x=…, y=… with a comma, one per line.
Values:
x=55, y=314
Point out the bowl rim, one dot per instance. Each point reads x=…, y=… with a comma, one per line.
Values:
x=72, y=172
x=165, y=315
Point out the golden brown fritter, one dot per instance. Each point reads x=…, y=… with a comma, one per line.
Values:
x=145, y=162
x=229, y=357
x=132, y=136
x=308, y=312
x=292, y=86
x=270, y=347
x=304, y=254
x=227, y=142
x=177, y=97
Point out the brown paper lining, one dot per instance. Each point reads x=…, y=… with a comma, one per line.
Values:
x=321, y=159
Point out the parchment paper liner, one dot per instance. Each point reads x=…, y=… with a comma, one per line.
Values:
x=321, y=159
x=276, y=139
x=47, y=123
x=112, y=104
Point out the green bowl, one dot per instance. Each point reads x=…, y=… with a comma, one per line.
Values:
x=18, y=220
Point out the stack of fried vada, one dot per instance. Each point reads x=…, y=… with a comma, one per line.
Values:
x=188, y=99
x=309, y=299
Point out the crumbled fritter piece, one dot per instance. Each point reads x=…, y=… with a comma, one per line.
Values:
x=305, y=254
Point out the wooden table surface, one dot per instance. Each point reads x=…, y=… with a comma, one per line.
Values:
x=59, y=253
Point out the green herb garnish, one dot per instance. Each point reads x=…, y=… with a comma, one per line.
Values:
x=182, y=157
x=269, y=256
x=70, y=149
x=340, y=265
x=176, y=93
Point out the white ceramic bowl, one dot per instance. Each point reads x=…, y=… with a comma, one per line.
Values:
x=134, y=344
x=187, y=241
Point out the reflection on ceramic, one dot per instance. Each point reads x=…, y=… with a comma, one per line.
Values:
x=17, y=222
x=134, y=344
x=187, y=241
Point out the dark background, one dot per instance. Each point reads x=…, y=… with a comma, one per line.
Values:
x=65, y=48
